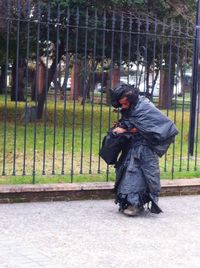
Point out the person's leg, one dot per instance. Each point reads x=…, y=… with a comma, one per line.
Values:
x=151, y=173
x=132, y=187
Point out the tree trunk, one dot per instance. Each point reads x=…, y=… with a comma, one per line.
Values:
x=86, y=80
x=164, y=77
x=3, y=79
x=147, y=70
x=172, y=81
x=166, y=87
x=75, y=92
x=42, y=97
x=39, y=81
x=113, y=81
x=154, y=83
x=182, y=81
x=17, y=89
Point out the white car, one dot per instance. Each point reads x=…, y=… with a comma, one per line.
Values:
x=142, y=86
x=176, y=90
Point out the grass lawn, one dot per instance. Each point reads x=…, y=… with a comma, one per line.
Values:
x=56, y=158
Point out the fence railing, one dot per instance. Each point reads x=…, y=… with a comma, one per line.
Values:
x=57, y=66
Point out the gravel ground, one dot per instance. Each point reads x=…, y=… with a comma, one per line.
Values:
x=94, y=234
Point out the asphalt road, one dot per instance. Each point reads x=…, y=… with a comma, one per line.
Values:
x=94, y=234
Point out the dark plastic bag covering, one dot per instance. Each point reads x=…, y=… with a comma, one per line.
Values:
x=152, y=124
x=138, y=178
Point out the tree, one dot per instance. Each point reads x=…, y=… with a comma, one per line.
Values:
x=48, y=22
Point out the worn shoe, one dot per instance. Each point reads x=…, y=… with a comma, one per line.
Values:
x=131, y=211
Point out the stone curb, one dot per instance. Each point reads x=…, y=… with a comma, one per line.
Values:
x=80, y=191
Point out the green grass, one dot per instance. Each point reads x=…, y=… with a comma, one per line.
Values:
x=86, y=145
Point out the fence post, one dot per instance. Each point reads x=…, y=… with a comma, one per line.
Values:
x=195, y=83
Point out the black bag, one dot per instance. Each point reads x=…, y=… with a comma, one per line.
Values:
x=112, y=146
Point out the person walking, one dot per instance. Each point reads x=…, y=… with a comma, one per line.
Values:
x=137, y=169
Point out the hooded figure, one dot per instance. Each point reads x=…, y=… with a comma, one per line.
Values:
x=121, y=90
x=137, y=168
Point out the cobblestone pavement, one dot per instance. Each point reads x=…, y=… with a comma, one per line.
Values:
x=94, y=234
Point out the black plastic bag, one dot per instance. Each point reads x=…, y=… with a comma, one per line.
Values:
x=112, y=146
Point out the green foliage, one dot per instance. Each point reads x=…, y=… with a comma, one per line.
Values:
x=99, y=3
x=143, y=8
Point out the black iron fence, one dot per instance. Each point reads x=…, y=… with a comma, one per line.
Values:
x=57, y=66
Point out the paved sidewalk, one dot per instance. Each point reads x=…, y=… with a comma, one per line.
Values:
x=93, y=234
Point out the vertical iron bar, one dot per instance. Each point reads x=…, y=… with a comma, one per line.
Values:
x=162, y=46
x=193, y=95
x=74, y=93
x=146, y=56
x=193, y=92
x=154, y=55
x=26, y=85
x=121, y=51
x=161, y=66
x=169, y=79
x=93, y=85
x=176, y=82
x=197, y=125
x=111, y=72
x=170, y=65
x=65, y=91
x=46, y=90
x=6, y=87
x=197, y=117
x=55, y=92
x=121, y=42
x=138, y=76
x=36, y=89
x=195, y=73
x=130, y=44
x=183, y=102
x=102, y=80
x=16, y=87
x=86, y=78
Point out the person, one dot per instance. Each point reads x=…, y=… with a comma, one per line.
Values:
x=137, y=169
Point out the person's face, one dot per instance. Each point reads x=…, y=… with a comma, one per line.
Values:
x=125, y=104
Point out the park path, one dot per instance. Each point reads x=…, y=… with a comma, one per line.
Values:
x=94, y=234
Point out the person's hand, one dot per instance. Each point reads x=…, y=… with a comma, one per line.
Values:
x=134, y=130
x=119, y=130
x=115, y=124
